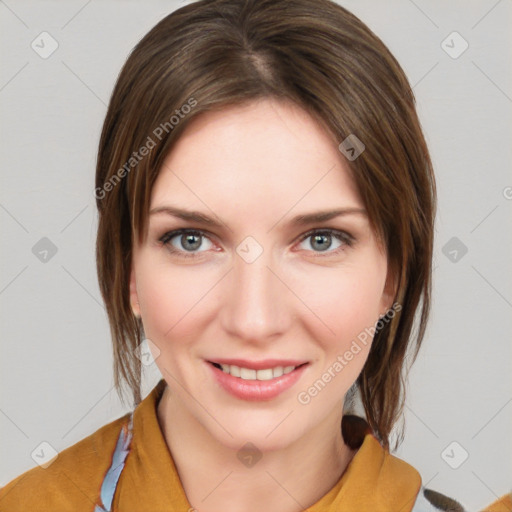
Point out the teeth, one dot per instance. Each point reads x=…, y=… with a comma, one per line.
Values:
x=247, y=374
x=277, y=372
x=265, y=374
x=250, y=374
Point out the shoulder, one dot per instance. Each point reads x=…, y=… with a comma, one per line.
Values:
x=72, y=479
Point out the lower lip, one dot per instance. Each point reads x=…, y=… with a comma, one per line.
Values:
x=257, y=389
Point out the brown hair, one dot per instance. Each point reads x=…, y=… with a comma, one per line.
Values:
x=216, y=53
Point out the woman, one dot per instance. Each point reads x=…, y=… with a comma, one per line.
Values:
x=280, y=140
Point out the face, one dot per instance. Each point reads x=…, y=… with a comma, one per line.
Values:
x=252, y=302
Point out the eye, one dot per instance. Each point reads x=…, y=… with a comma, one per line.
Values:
x=185, y=242
x=321, y=240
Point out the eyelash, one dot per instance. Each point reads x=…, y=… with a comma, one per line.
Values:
x=347, y=239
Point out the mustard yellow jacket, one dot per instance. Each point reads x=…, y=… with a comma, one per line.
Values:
x=126, y=466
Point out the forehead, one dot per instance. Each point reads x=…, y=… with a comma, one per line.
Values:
x=263, y=155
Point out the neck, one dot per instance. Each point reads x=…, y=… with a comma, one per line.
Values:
x=285, y=480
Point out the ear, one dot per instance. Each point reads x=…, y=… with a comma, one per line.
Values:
x=389, y=292
x=134, y=298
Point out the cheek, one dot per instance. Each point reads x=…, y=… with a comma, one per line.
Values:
x=171, y=299
x=344, y=301
x=160, y=298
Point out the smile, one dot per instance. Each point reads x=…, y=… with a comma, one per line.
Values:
x=263, y=380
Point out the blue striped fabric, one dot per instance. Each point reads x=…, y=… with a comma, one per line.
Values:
x=108, y=487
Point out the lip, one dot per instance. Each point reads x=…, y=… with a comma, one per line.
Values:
x=259, y=365
x=256, y=390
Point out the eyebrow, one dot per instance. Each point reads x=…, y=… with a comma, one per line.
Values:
x=299, y=220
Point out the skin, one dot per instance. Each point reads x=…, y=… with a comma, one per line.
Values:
x=254, y=168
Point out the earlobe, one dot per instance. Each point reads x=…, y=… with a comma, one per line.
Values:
x=134, y=299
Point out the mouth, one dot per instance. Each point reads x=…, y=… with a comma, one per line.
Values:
x=256, y=380
x=262, y=374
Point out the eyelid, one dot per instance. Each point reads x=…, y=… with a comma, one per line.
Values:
x=344, y=235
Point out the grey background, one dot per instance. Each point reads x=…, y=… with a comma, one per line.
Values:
x=56, y=376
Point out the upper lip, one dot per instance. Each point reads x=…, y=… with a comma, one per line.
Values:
x=259, y=365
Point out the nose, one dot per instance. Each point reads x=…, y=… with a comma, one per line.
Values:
x=255, y=302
